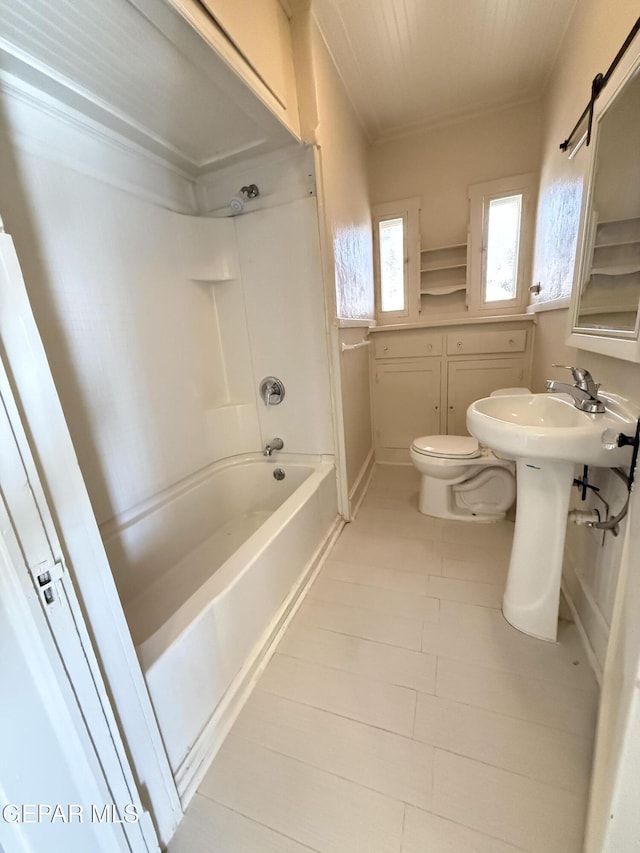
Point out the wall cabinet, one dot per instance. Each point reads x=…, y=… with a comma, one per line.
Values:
x=254, y=38
x=408, y=401
x=423, y=380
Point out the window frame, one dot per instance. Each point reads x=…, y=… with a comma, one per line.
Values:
x=480, y=197
x=409, y=211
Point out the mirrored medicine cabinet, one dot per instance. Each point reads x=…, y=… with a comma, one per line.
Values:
x=605, y=305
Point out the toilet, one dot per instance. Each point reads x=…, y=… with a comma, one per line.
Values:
x=462, y=480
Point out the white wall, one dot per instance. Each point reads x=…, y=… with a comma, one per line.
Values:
x=156, y=338
x=131, y=336
x=280, y=268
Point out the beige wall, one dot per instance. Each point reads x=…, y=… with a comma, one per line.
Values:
x=329, y=121
x=593, y=38
x=439, y=164
x=595, y=34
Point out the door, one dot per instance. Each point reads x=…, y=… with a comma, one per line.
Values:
x=471, y=380
x=65, y=782
x=54, y=642
x=407, y=401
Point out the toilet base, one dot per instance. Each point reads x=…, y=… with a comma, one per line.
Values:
x=436, y=500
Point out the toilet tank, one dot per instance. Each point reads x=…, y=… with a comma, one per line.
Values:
x=509, y=392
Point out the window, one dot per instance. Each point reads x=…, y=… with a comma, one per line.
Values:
x=392, y=254
x=500, y=238
x=503, y=241
x=396, y=247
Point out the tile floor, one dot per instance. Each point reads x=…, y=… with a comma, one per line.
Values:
x=401, y=713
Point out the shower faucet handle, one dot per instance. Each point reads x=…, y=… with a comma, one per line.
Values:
x=272, y=390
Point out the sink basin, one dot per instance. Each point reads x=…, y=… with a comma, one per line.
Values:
x=547, y=436
x=549, y=426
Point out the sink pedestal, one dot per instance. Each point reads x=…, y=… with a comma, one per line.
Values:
x=532, y=594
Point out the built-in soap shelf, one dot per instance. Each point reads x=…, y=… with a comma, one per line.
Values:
x=443, y=270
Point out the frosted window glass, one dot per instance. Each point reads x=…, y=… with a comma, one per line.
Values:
x=503, y=239
x=391, y=239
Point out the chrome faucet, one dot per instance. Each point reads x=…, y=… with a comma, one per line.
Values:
x=584, y=391
x=274, y=444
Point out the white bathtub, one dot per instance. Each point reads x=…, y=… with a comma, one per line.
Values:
x=207, y=571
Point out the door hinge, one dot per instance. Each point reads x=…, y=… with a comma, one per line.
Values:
x=47, y=575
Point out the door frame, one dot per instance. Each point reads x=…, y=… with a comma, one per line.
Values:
x=36, y=415
x=54, y=657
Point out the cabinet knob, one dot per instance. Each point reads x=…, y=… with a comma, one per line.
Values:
x=459, y=344
x=436, y=408
x=385, y=348
x=429, y=347
x=450, y=408
x=511, y=342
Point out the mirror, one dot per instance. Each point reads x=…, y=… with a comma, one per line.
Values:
x=606, y=290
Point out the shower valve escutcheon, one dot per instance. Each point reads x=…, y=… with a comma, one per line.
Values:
x=272, y=390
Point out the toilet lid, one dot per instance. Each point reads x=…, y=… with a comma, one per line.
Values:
x=448, y=446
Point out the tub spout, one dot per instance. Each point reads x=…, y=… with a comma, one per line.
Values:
x=274, y=444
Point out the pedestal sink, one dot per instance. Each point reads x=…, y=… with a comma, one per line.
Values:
x=547, y=436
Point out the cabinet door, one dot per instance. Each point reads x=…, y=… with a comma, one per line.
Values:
x=259, y=30
x=471, y=380
x=406, y=401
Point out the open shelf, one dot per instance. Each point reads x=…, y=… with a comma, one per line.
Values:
x=442, y=289
x=443, y=270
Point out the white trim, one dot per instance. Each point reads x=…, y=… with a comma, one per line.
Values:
x=408, y=210
x=571, y=580
x=39, y=542
x=96, y=104
x=40, y=125
x=353, y=323
x=454, y=321
x=556, y=304
x=613, y=343
x=480, y=196
x=359, y=488
x=53, y=452
x=333, y=337
x=193, y=770
x=206, y=27
x=47, y=670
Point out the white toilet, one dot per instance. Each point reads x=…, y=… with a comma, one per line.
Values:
x=462, y=480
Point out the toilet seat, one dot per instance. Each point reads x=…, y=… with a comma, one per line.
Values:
x=447, y=446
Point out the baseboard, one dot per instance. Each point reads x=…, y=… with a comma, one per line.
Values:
x=392, y=456
x=359, y=488
x=585, y=614
x=193, y=770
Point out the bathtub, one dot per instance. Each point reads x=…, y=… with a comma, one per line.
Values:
x=207, y=572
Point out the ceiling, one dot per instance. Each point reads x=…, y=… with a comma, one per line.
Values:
x=138, y=68
x=408, y=64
